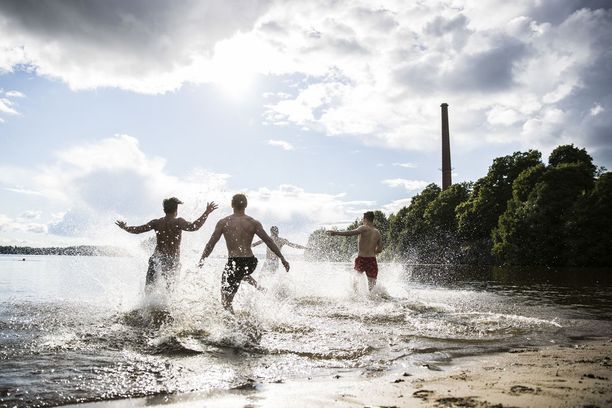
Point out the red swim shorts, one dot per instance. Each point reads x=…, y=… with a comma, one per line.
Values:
x=368, y=265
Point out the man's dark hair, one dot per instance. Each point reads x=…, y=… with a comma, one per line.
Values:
x=369, y=215
x=239, y=202
x=171, y=205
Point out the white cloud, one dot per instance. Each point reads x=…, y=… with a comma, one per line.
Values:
x=22, y=191
x=405, y=165
x=550, y=124
x=6, y=106
x=558, y=94
x=500, y=115
x=596, y=110
x=282, y=144
x=8, y=224
x=396, y=205
x=112, y=178
x=376, y=72
x=30, y=215
x=109, y=178
x=14, y=94
x=292, y=203
x=149, y=48
x=410, y=185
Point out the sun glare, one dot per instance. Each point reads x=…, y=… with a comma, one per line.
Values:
x=234, y=66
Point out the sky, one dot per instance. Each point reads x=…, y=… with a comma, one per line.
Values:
x=317, y=110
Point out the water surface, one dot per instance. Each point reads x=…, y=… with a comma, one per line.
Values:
x=76, y=329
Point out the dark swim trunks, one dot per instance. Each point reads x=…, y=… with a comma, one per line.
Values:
x=368, y=265
x=235, y=270
x=162, y=265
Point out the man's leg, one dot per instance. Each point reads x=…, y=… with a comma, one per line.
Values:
x=228, y=291
x=170, y=268
x=226, y=300
x=229, y=285
x=372, y=273
x=151, y=274
x=251, y=281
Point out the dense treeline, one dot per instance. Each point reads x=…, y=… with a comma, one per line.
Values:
x=81, y=250
x=522, y=212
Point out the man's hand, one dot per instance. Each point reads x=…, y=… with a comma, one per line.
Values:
x=121, y=224
x=330, y=232
x=210, y=207
x=201, y=262
x=285, y=264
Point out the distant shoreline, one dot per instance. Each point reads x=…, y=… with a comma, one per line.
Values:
x=79, y=250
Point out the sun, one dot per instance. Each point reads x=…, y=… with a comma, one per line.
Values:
x=234, y=66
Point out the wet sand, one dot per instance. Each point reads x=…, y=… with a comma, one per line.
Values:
x=550, y=376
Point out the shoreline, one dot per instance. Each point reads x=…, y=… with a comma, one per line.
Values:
x=555, y=376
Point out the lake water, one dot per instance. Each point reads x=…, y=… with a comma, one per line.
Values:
x=76, y=329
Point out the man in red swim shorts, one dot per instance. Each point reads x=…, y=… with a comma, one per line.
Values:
x=369, y=242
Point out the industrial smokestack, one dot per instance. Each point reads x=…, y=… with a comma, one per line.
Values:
x=446, y=157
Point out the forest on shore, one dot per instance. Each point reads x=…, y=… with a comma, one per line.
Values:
x=522, y=212
x=80, y=250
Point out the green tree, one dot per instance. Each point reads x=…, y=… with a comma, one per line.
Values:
x=440, y=213
x=322, y=247
x=589, y=229
x=513, y=228
x=479, y=214
x=408, y=230
x=441, y=221
x=532, y=230
x=567, y=154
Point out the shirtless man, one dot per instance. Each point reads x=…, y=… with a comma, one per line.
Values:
x=369, y=242
x=271, y=263
x=238, y=230
x=165, y=259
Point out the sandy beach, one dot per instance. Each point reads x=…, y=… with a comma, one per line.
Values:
x=550, y=376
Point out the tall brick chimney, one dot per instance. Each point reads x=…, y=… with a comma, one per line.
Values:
x=446, y=156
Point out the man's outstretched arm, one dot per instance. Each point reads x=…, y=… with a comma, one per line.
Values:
x=136, y=229
x=349, y=233
x=261, y=233
x=254, y=244
x=197, y=224
x=292, y=245
x=214, y=238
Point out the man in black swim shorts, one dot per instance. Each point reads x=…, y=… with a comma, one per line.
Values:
x=237, y=269
x=238, y=230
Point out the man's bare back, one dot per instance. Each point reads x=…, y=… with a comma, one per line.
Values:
x=238, y=231
x=168, y=232
x=368, y=241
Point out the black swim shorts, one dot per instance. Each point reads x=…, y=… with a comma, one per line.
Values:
x=235, y=270
x=162, y=265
